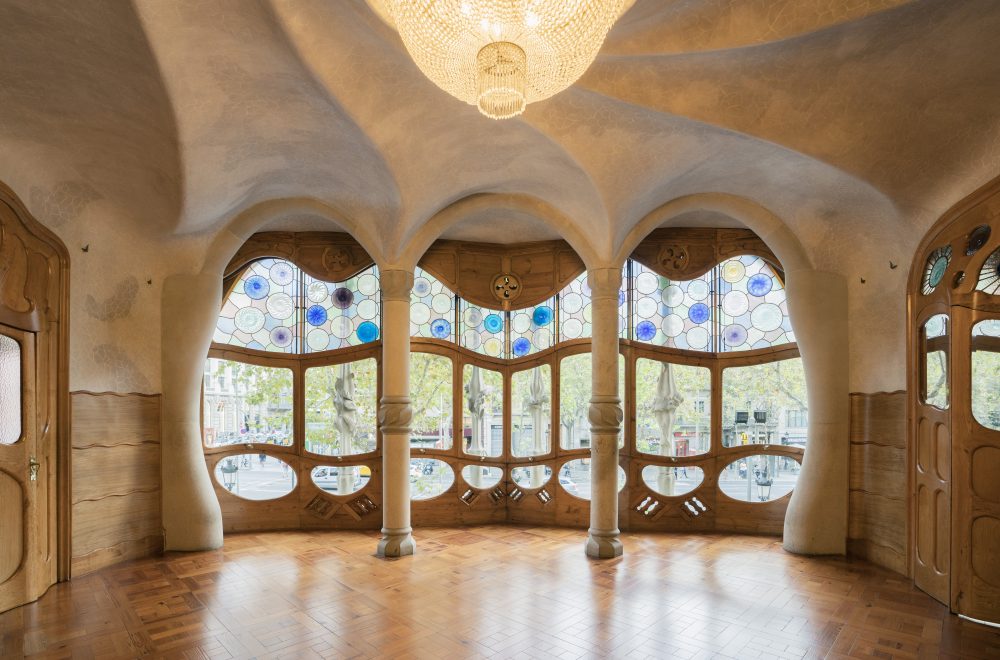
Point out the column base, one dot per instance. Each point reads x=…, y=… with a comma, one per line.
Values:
x=603, y=545
x=396, y=543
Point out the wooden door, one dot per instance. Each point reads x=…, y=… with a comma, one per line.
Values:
x=33, y=399
x=932, y=458
x=976, y=513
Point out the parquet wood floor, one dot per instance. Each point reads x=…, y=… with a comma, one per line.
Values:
x=491, y=592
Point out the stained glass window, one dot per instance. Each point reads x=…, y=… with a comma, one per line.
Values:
x=338, y=315
x=753, y=309
x=276, y=307
x=10, y=390
x=260, y=312
x=739, y=305
x=432, y=308
x=935, y=268
x=673, y=314
x=989, y=275
x=575, y=310
x=483, y=329
x=531, y=329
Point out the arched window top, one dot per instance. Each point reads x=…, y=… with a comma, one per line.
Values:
x=738, y=305
x=276, y=307
x=989, y=274
x=432, y=308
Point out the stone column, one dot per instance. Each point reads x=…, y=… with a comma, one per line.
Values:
x=816, y=519
x=395, y=414
x=192, y=519
x=605, y=415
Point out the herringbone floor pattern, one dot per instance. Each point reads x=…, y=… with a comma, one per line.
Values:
x=491, y=592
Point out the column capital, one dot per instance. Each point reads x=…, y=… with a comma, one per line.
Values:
x=396, y=284
x=604, y=282
x=395, y=415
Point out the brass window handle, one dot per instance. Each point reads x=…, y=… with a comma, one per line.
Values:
x=33, y=466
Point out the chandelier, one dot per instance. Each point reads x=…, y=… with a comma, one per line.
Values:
x=500, y=55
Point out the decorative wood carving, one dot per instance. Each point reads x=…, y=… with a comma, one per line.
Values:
x=681, y=253
x=327, y=256
x=471, y=270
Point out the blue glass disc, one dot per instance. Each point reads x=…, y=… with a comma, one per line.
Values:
x=521, y=347
x=316, y=315
x=281, y=336
x=493, y=323
x=256, y=287
x=735, y=334
x=621, y=298
x=699, y=313
x=542, y=316
x=759, y=285
x=645, y=331
x=441, y=329
x=368, y=331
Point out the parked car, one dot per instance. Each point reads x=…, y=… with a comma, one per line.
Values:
x=568, y=485
x=328, y=478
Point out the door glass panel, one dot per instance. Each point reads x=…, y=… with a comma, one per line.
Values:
x=482, y=411
x=431, y=396
x=673, y=408
x=340, y=408
x=768, y=478
x=255, y=476
x=765, y=404
x=10, y=390
x=531, y=411
x=575, y=387
x=246, y=403
x=934, y=389
x=986, y=373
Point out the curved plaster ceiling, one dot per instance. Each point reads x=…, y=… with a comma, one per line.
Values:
x=863, y=118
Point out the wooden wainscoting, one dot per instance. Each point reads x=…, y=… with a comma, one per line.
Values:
x=116, y=478
x=878, y=493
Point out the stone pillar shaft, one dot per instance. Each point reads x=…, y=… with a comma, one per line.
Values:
x=605, y=415
x=395, y=414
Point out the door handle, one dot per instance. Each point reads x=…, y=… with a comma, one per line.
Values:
x=33, y=466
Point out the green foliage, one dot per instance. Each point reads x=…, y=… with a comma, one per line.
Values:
x=431, y=395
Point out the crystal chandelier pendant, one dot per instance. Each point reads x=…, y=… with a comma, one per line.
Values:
x=501, y=55
x=501, y=72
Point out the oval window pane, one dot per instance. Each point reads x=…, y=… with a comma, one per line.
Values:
x=671, y=481
x=482, y=411
x=429, y=478
x=765, y=404
x=341, y=407
x=10, y=390
x=531, y=411
x=673, y=408
x=934, y=388
x=574, y=478
x=431, y=392
x=534, y=476
x=482, y=476
x=768, y=478
x=341, y=479
x=246, y=403
x=255, y=476
x=986, y=373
